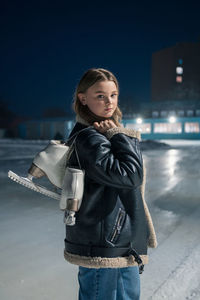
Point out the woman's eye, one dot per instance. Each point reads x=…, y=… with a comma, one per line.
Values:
x=101, y=96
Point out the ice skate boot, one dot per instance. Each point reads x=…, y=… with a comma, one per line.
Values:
x=72, y=193
x=50, y=162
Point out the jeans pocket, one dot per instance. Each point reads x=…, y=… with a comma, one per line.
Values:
x=119, y=221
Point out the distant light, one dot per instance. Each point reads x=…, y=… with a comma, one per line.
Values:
x=179, y=70
x=179, y=79
x=172, y=119
x=139, y=120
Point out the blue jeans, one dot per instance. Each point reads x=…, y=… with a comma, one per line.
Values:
x=109, y=283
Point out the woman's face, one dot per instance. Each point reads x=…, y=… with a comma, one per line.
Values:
x=101, y=98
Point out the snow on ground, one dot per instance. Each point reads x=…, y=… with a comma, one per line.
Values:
x=181, y=142
x=32, y=265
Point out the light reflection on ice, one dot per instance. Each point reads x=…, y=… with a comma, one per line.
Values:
x=171, y=161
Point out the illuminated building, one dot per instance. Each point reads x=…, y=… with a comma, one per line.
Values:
x=176, y=73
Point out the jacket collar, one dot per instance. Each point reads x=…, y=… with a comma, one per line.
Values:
x=128, y=131
x=81, y=120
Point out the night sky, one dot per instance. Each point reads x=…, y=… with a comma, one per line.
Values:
x=46, y=47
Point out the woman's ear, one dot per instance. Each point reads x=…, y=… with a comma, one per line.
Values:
x=81, y=97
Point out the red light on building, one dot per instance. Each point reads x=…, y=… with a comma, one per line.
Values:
x=179, y=79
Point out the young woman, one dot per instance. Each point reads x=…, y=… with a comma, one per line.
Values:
x=113, y=226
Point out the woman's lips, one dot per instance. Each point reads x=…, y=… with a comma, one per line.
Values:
x=108, y=109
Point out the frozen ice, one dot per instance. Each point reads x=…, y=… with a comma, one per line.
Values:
x=32, y=231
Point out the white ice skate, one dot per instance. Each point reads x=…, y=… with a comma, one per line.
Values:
x=51, y=162
x=28, y=182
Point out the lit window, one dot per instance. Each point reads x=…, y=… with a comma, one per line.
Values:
x=180, y=113
x=155, y=114
x=167, y=127
x=180, y=61
x=179, y=79
x=192, y=127
x=172, y=113
x=179, y=70
x=143, y=128
x=163, y=113
x=189, y=113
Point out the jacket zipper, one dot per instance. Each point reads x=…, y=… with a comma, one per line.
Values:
x=118, y=225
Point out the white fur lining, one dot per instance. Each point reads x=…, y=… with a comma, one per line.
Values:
x=103, y=262
x=128, y=131
x=110, y=132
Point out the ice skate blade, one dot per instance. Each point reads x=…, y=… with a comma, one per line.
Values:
x=31, y=185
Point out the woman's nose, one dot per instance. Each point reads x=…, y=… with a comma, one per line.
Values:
x=108, y=100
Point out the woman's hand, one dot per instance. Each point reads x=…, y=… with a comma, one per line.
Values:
x=103, y=126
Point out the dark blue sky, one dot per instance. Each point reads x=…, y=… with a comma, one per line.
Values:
x=46, y=46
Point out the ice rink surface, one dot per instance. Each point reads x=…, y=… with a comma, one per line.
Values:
x=32, y=231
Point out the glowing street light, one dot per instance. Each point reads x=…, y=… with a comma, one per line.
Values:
x=172, y=119
x=139, y=120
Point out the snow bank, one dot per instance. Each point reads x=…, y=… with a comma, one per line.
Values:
x=153, y=144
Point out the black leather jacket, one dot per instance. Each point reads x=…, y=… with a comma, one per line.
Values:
x=112, y=211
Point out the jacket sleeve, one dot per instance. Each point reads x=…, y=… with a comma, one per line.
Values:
x=112, y=159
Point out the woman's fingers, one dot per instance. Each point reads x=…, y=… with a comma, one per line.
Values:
x=96, y=124
x=104, y=125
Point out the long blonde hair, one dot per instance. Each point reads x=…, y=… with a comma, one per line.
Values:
x=89, y=78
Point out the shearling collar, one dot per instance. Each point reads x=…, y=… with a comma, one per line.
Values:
x=110, y=132
x=81, y=120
